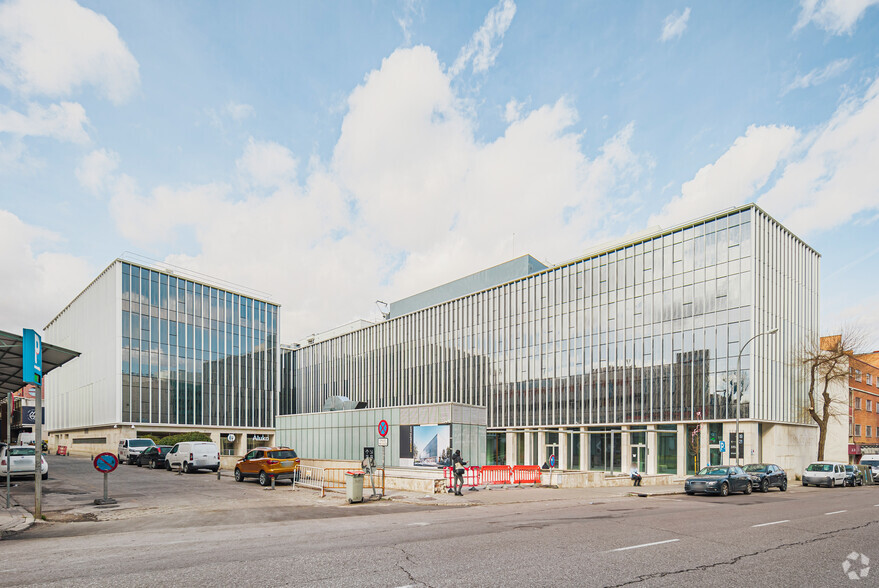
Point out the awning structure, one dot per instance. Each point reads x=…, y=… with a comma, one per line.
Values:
x=11, y=376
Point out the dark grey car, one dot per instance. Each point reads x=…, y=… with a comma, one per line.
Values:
x=719, y=480
x=765, y=476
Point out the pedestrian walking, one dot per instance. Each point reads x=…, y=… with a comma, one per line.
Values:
x=458, y=467
x=635, y=475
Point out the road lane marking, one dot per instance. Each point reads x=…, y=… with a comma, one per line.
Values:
x=835, y=512
x=645, y=545
x=772, y=523
x=418, y=524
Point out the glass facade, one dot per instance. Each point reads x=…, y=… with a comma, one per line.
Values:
x=193, y=354
x=648, y=332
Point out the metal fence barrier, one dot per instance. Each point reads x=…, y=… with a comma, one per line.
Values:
x=311, y=477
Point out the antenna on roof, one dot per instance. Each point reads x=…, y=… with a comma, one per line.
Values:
x=386, y=312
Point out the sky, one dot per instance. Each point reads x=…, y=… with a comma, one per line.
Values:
x=331, y=154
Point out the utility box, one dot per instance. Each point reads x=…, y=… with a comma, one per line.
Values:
x=354, y=486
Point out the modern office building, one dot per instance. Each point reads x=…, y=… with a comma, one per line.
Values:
x=163, y=352
x=628, y=354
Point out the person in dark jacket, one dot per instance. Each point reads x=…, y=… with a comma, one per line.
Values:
x=458, y=468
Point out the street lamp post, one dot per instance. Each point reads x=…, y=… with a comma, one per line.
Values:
x=739, y=388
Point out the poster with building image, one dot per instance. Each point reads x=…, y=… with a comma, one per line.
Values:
x=432, y=444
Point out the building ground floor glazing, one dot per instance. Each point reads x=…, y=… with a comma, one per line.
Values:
x=677, y=449
x=231, y=441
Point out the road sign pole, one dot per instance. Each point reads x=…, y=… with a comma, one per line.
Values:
x=38, y=454
x=8, y=442
x=106, y=487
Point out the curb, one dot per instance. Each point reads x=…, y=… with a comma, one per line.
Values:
x=21, y=520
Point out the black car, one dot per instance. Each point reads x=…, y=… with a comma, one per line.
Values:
x=853, y=476
x=765, y=476
x=153, y=457
x=719, y=480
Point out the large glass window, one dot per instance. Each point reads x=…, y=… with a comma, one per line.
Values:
x=496, y=449
x=667, y=449
x=574, y=449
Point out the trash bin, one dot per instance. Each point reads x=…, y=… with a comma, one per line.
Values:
x=354, y=486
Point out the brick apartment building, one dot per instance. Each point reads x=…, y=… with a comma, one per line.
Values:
x=863, y=405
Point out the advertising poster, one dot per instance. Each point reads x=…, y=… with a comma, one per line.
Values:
x=432, y=445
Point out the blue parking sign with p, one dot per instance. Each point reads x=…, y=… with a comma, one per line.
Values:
x=31, y=357
x=723, y=446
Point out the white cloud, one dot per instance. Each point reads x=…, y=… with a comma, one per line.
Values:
x=819, y=75
x=411, y=9
x=513, y=111
x=239, y=112
x=734, y=178
x=837, y=17
x=267, y=164
x=674, y=25
x=410, y=198
x=834, y=178
x=52, y=47
x=44, y=280
x=485, y=45
x=826, y=176
x=65, y=122
x=95, y=169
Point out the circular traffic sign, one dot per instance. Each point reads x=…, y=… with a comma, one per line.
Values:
x=552, y=461
x=106, y=462
x=383, y=427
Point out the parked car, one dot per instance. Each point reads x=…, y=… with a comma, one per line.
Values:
x=265, y=462
x=765, y=476
x=129, y=449
x=19, y=459
x=193, y=455
x=824, y=473
x=853, y=476
x=719, y=480
x=153, y=457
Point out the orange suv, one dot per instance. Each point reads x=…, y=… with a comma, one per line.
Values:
x=265, y=462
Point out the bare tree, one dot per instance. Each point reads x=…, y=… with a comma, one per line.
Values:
x=826, y=365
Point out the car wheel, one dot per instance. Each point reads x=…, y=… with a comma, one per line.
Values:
x=748, y=488
x=764, y=485
x=184, y=468
x=168, y=465
x=804, y=484
x=45, y=476
x=264, y=479
x=783, y=486
x=690, y=493
x=832, y=483
x=140, y=465
x=239, y=477
x=216, y=469
x=724, y=489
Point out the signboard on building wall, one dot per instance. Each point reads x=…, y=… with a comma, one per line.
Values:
x=407, y=444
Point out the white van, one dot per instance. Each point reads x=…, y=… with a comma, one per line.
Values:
x=824, y=473
x=194, y=455
x=130, y=449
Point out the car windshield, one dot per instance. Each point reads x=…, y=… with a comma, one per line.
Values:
x=850, y=468
x=713, y=471
x=756, y=467
x=283, y=454
x=820, y=467
x=165, y=448
x=21, y=451
x=141, y=443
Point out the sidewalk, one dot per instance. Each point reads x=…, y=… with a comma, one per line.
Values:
x=14, y=519
x=528, y=493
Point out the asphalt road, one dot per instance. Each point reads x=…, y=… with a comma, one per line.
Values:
x=212, y=533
